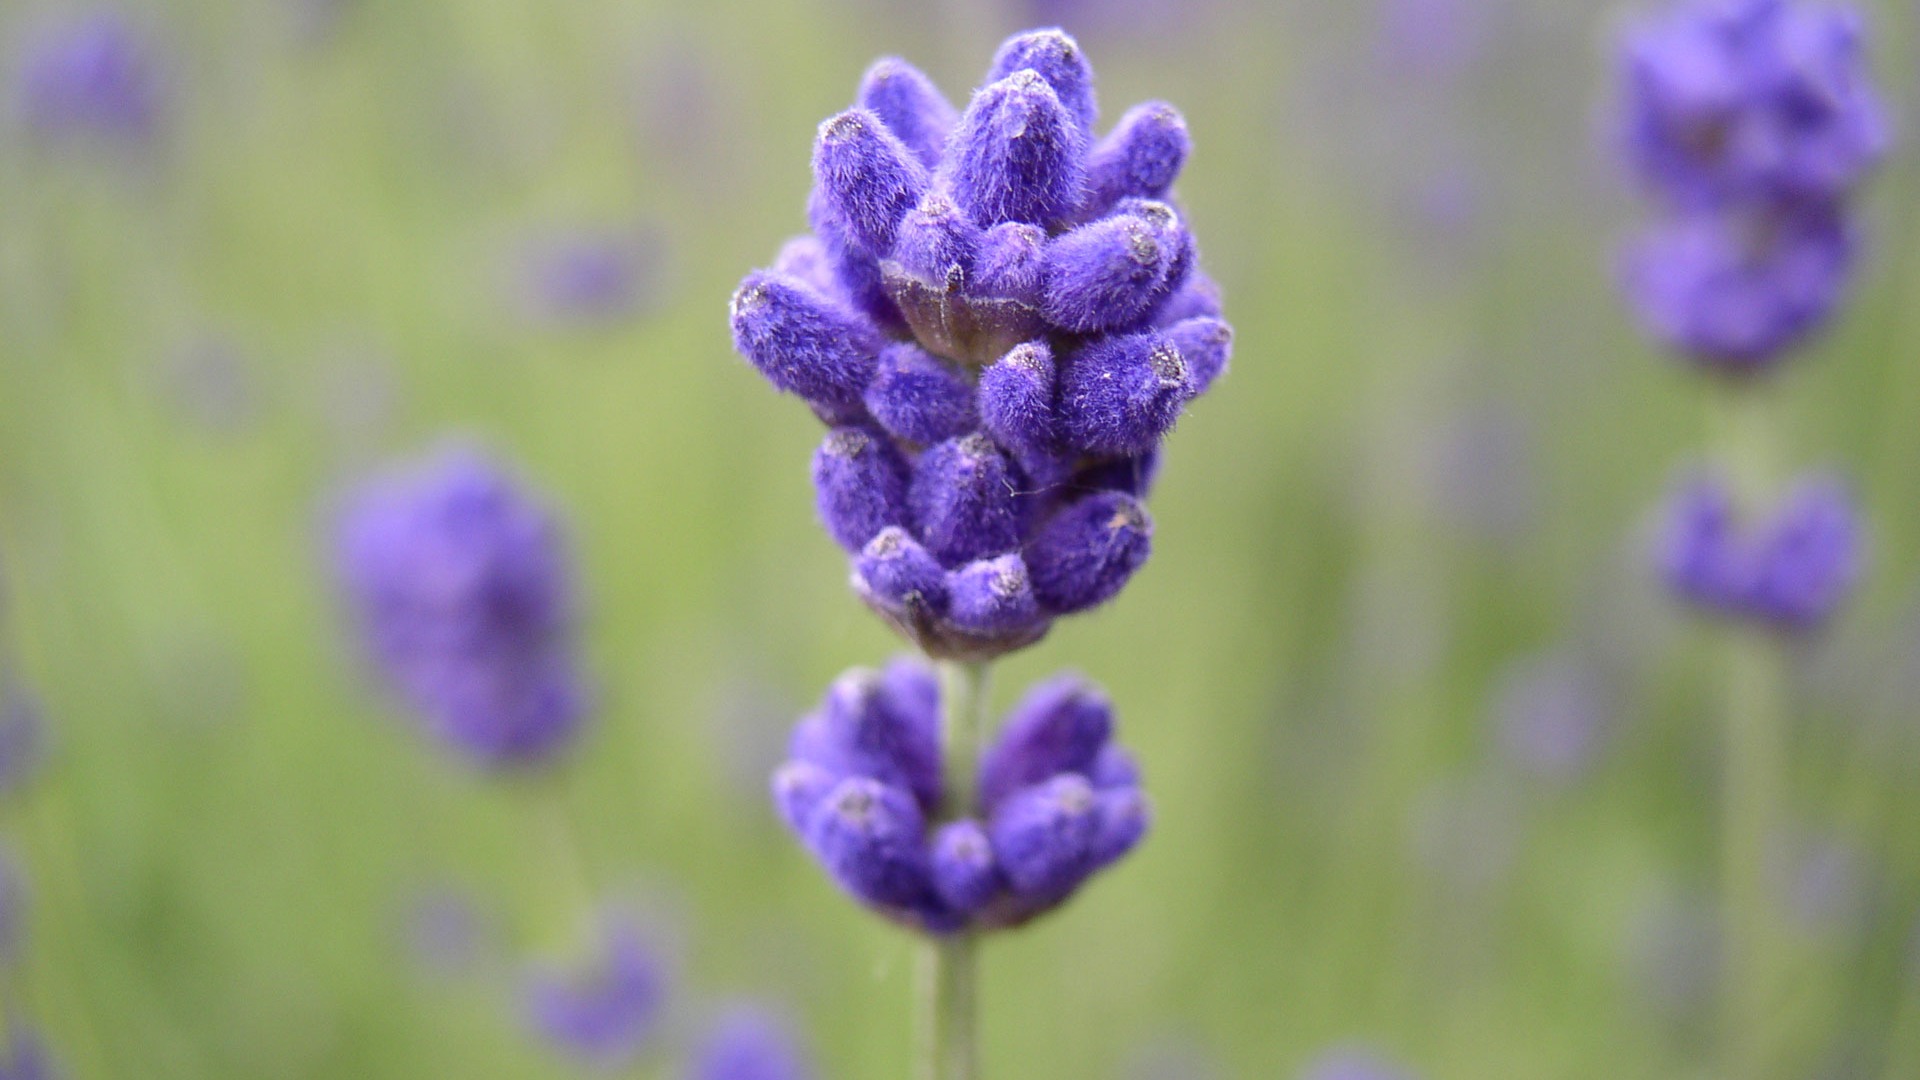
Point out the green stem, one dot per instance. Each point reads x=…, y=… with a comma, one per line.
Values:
x=1756, y=719
x=948, y=1015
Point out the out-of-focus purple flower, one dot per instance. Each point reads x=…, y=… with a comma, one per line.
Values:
x=1750, y=98
x=1823, y=881
x=1354, y=1063
x=25, y=1056
x=1433, y=38
x=1790, y=570
x=23, y=735
x=94, y=77
x=1733, y=289
x=1552, y=712
x=751, y=1042
x=1000, y=313
x=588, y=278
x=1057, y=800
x=459, y=581
x=605, y=1011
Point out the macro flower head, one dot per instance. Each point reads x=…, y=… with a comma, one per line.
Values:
x=459, y=582
x=865, y=790
x=999, y=314
x=1790, y=568
x=1746, y=98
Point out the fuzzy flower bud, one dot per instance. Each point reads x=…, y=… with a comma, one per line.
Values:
x=1140, y=158
x=1018, y=154
x=860, y=481
x=1118, y=395
x=911, y=107
x=1790, y=570
x=867, y=177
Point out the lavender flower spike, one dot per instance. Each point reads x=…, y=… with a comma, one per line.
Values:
x=94, y=78
x=458, y=581
x=749, y=1042
x=1057, y=802
x=1005, y=308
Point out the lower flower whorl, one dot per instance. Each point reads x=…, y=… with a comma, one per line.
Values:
x=1055, y=800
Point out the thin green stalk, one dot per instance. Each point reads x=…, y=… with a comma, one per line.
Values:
x=1753, y=786
x=949, y=972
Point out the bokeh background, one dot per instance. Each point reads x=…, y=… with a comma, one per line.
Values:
x=1434, y=764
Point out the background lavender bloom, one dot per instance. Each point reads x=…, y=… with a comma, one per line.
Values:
x=606, y=1010
x=1058, y=800
x=750, y=1042
x=1791, y=569
x=23, y=735
x=1031, y=281
x=1552, y=713
x=459, y=582
x=94, y=77
x=26, y=1056
x=1750, y=98
x=1354, y=1063
x=586, y=278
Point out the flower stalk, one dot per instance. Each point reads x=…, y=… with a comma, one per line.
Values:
x=949, y=972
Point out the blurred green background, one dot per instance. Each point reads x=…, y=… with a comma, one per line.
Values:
x=1430, y=468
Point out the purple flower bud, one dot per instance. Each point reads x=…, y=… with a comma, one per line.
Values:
x=1791, y=570
x=1060, y=726
x=1809, y=557
x=1139, y=158
x=964, y=875
x=1017, y=154
x=1206, y=346
x=882, y=725
x=937, y=244
x=798, y=787
x=1088, y=551
x=910, y=105
x=750, y=1043
x=1044, y=837
x=918, y=397
x=1119, y=395
x=897, y=575
x=458, y=580
x=868, y=835
x=963, y=500
x=1199, y=297
x=1750, y=98
x=805, y=258
x=993, y=598
x=1125, y=817
x=1016, y=399
x=605, y=1013
x=1109, y=274
x=92, y=78
x=867, y=176
x=804, y=342
x=1060, y=61
x=1114, y=768
x=858, y=280
x=1011, y=262
x=1734, y=293
x=860, y=482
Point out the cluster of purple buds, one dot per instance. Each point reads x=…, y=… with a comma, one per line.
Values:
x=1056, y=800
x=999, y=316
x=459, y=581
x=1789, y=570
x=1752, y=123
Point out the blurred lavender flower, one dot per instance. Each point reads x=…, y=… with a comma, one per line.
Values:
x=93, y=77
x=588, y=278
x=1764, y=99
x=1436, y=39
x=999, y=316
x=1059, y=801
x=23, y=736
x=1354, y=1063
x=1823, y=880
x=25, y=1056
x=1790, y=571
x=749, y=1042
x=606, y=1011
x=459, y=581
x=1552, y=713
